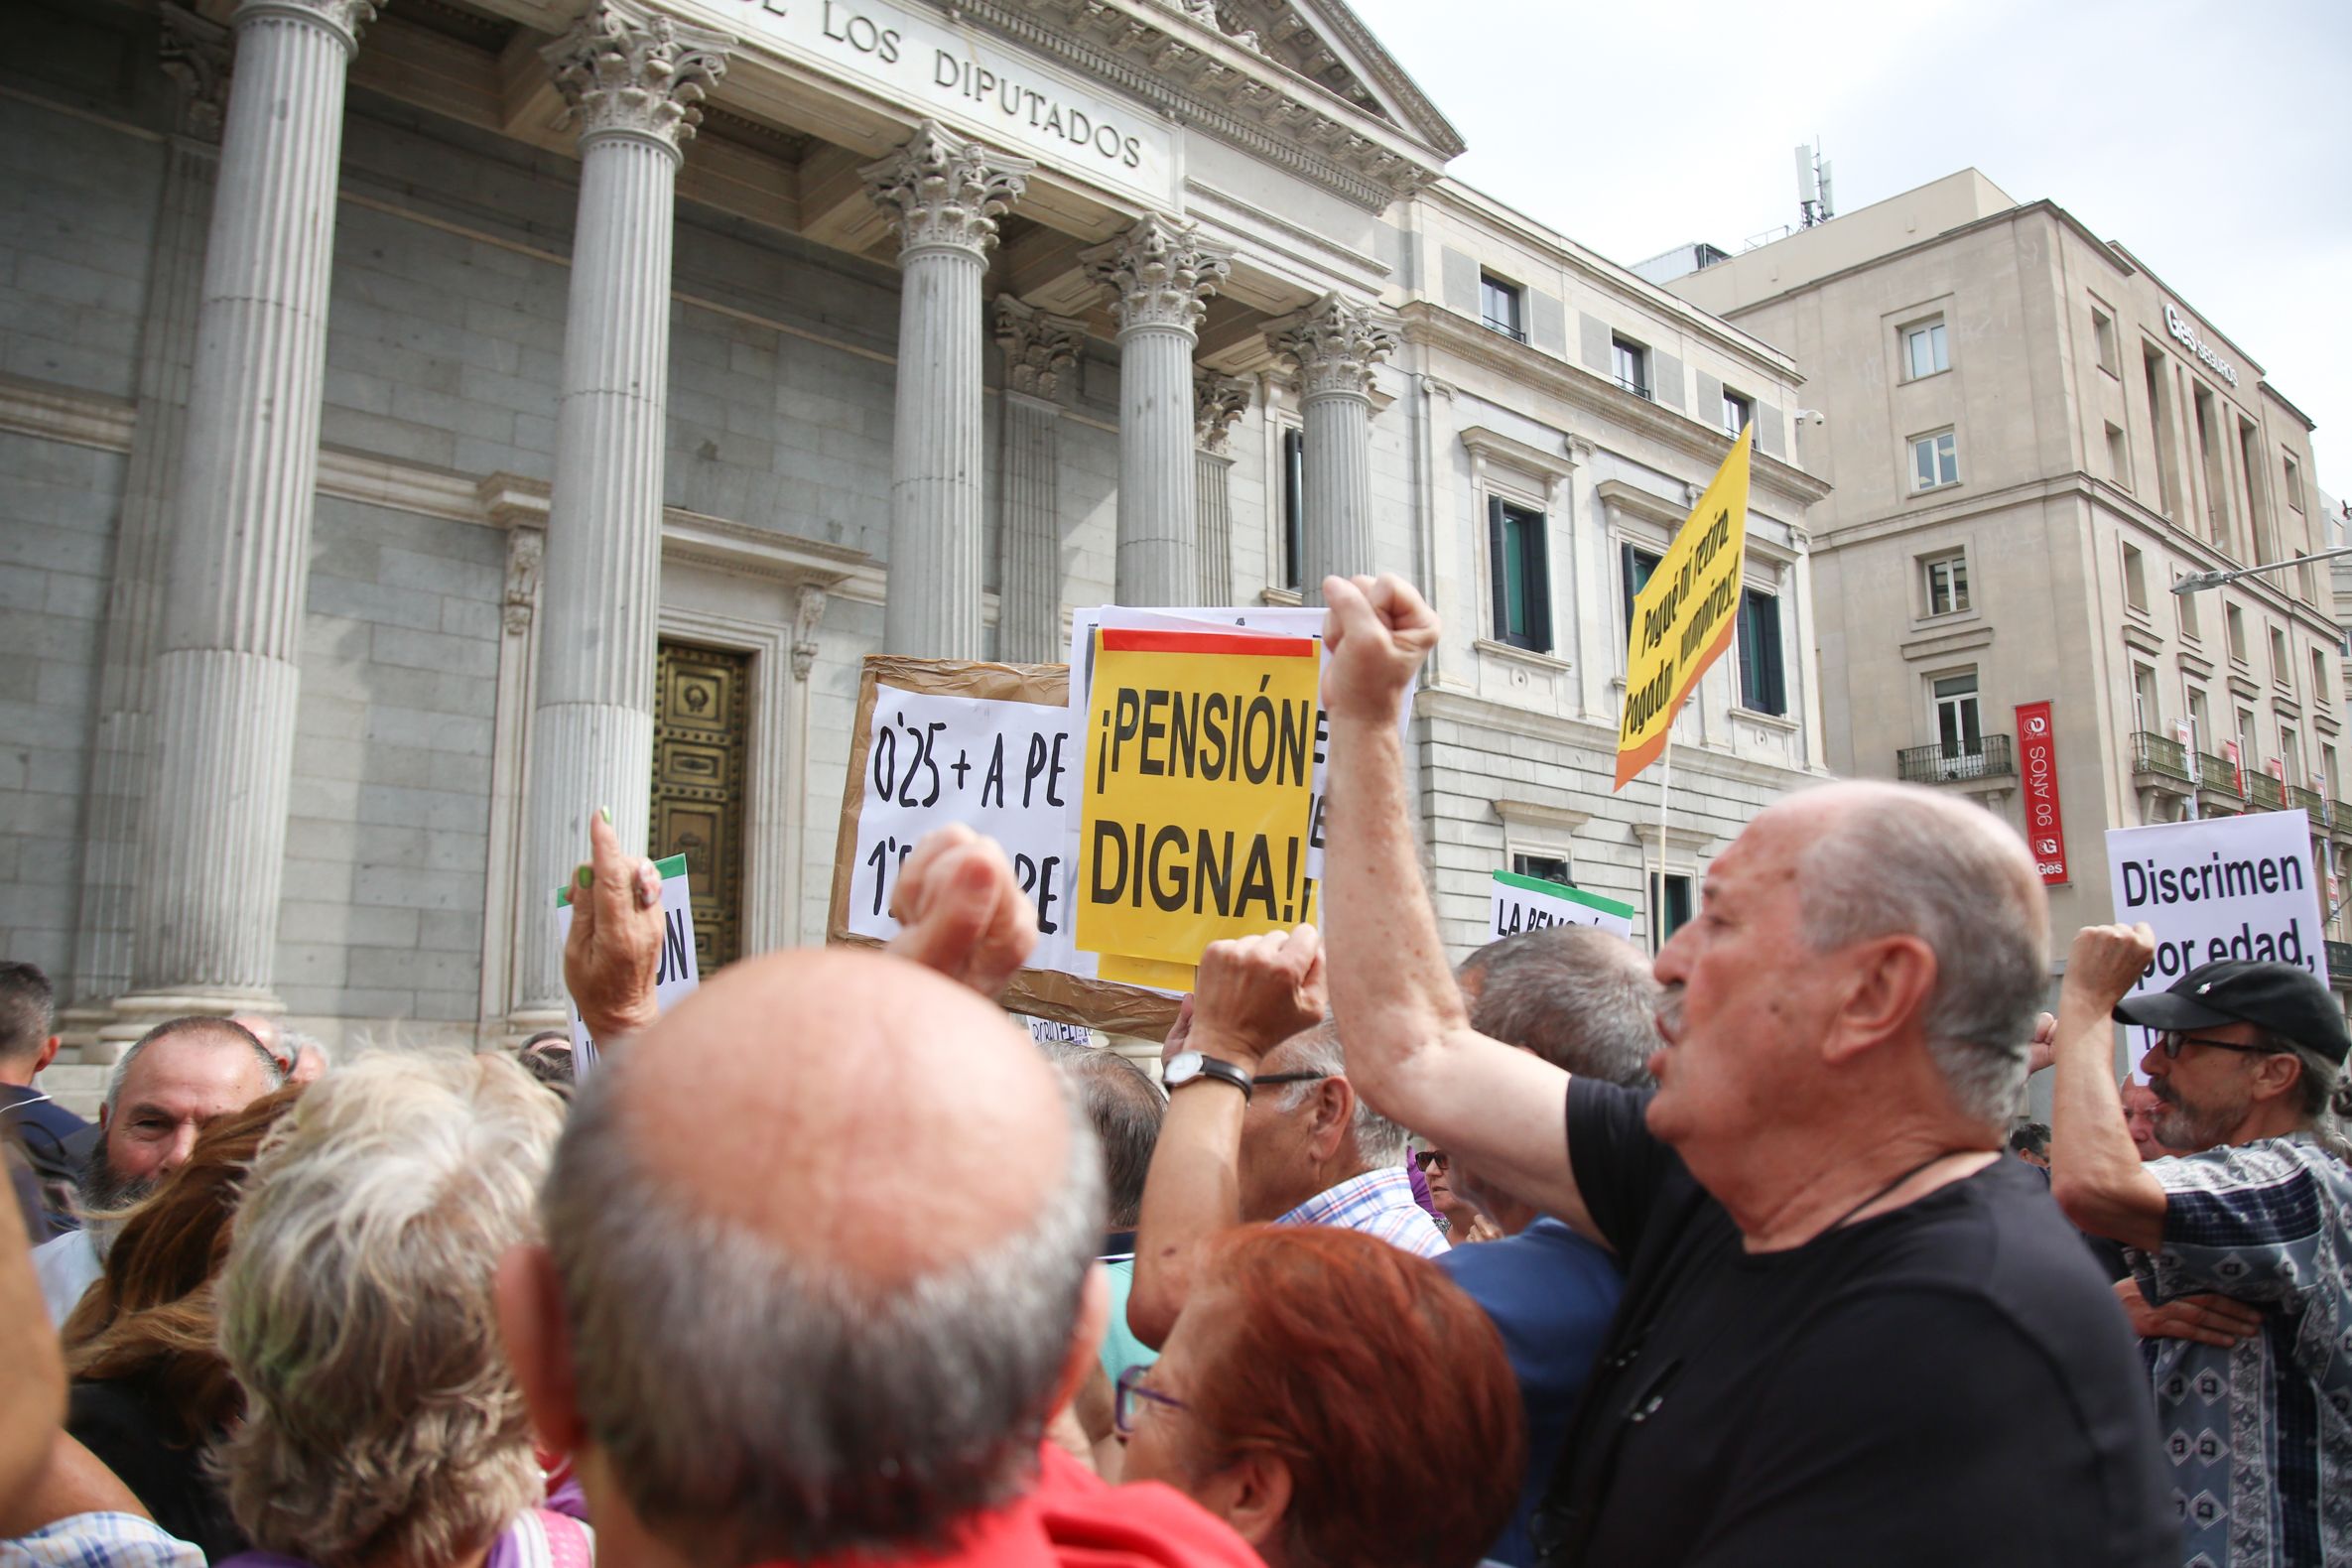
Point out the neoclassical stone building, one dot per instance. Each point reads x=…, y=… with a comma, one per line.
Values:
x=420, y=430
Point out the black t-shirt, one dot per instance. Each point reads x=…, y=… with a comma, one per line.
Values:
x=128, y=1423
x=1948, y=1384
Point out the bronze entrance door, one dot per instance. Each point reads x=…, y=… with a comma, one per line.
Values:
x=700, y=792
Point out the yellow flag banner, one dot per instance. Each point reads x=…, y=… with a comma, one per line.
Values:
x=1685, y=614
x=1195, y=813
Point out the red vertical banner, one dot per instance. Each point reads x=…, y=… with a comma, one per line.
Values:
x=2229, y=750
x=2038, y=765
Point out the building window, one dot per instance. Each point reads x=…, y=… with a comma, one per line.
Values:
x=2134, y=580
x=1947, y=582
x=2247, y=751
x=2290, y=755
x=2327, y=772
x=1935, y=460
x=2282, y=671
x=1669, y=906
x=2186, y=607
x=2200, y=725
x=2319, y=678
x=1923, y=350
x=2295, y=485
x=1499, y=307
x=1548, y=867
x=1631, y=362
x=1762, y=686
x=2236, y=629
x=1294, y=508
x=2144, y=714
x=1522, y=578
x=1738, y=411
x=2119, y=455
x=1637, y=564
x=2102, y=329
x=1959, y=723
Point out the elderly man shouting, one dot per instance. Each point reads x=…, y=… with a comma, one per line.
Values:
x=1839, y=1297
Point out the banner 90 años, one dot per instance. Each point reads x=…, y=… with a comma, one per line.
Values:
x=1685, y=614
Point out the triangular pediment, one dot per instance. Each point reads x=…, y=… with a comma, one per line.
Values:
x=1328, y=43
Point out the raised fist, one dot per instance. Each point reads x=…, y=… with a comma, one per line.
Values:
x=1374, y=636
x=1253, y=993
x=961, y=910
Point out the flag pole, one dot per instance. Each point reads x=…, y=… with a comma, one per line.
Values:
x=1657, y=901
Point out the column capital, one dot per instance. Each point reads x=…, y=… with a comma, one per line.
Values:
x=195, y=53
x=1219, y=402
x=1038, y=347
x=628, y=70
x=1336, y=346
x=342, y=18
x=940, y=192
x=1160, y=273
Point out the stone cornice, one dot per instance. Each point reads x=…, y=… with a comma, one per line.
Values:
x=1159, y=274
x=1204, y=80
x=1516, y=454
x=1535, y=814
x=941, y=191
x=1427, y=322
x=626, y=69
x=1597, y=739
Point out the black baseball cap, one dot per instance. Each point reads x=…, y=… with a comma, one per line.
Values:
x=2284, y=999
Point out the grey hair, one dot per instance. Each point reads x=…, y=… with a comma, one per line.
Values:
x=228, y=1031
x=1582, y=998
x=757, y=1406
x=27, y=1011
x=383, y=1423
x=1379, y=1141
x=1125, y=1108
x=1900, y=866
x=2319, y=1090
x=299, y=1045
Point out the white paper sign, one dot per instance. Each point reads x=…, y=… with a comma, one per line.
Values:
x=1047, y=1032
x=1528, y=903
x=679, y=973
x=2221, y=887
x=1003, y=769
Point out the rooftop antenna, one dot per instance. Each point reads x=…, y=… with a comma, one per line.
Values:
x=1812, y=187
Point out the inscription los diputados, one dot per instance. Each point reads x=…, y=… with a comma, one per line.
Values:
x=1019, y=101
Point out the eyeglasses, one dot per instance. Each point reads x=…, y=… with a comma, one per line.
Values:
x=1438, y=1158
x=1132, y=1388
x=1303, y=1075
x=2169, y=1041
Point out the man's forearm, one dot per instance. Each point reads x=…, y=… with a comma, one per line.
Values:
x=1192, y=1194
x=1390, y=985
x=2095, y=1170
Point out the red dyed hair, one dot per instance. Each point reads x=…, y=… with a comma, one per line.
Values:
x=1382, y=1388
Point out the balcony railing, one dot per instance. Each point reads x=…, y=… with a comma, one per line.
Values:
x=1938, y=765
x=2268, y=791
x=1637, y=388
x=2309, y=800
x=2154, y=754
x=2220, y=774
x=2339, y=962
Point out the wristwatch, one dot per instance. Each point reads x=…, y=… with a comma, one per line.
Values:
x=1187, y=1067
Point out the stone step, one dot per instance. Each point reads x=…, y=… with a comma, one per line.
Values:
x=78, y=1086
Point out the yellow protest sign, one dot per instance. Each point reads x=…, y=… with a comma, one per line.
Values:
x=1685, y=614
x=1195, y=811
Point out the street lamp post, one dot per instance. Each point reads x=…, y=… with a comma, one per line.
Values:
x=2198, y=582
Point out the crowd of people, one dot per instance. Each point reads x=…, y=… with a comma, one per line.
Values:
x=1566, y=1257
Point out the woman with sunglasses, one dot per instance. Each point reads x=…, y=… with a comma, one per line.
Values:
x=1310, y=1375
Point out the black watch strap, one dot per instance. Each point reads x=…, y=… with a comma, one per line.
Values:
x=1227, y=1072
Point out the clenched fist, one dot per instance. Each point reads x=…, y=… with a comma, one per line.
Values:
x=1374, y=636
x=1255, y=992
x=961, y=910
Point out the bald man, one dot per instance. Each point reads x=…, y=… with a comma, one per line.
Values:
x=1839, y=1297
x=835, y=1322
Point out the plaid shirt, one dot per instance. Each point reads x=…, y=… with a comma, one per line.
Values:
x=2259, y=1438
x=100, y=1541
x=1378, y=1203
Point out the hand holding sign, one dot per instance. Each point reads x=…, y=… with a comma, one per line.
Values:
x=1378, y=632
x=614, y=949
x=961, y=910
x=1257, y=991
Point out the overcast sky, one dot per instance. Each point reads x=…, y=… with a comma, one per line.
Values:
x=2212, y=137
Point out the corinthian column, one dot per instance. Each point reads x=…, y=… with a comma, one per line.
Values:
x=1039, y=351
x=1335, y=345
x=212, y=836
x=1160, y=273
x=943, y=197
x=632, y=77
x=1218, y=402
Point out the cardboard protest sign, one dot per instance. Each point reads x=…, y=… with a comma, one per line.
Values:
x=1528, y=903
x=679, y=973
x=1685, y=614
x=2219, y=887
x=988, y=746
x=1196, y=800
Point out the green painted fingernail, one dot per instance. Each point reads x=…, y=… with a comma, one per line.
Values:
x=606, y=812
x=587, y=875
